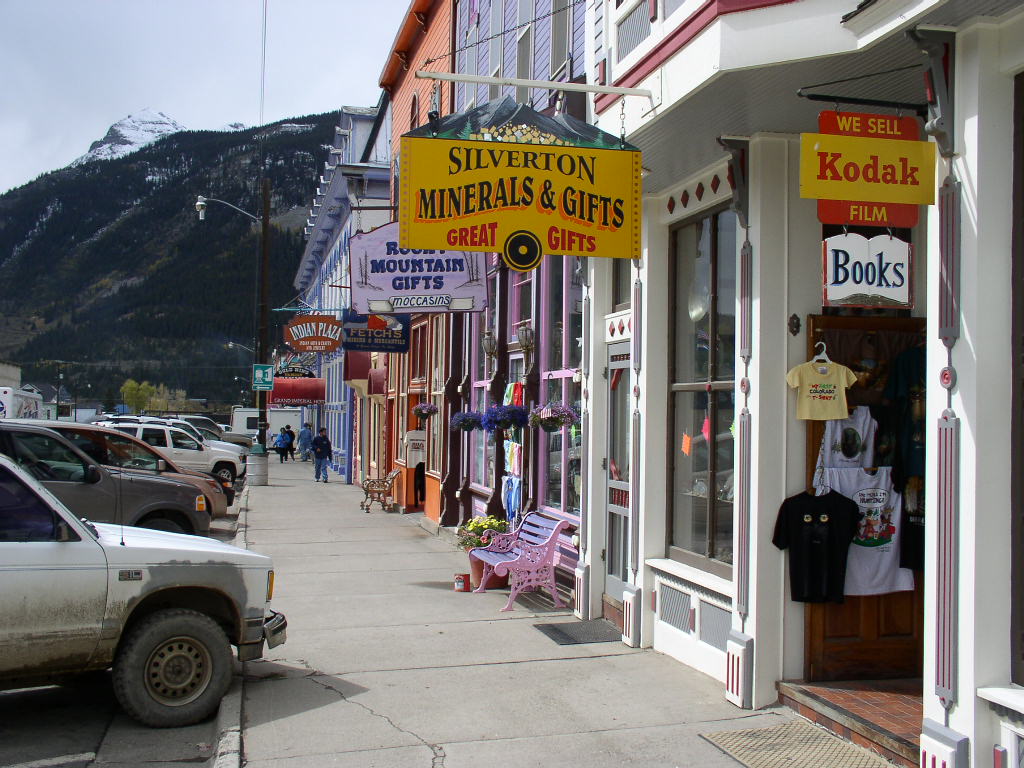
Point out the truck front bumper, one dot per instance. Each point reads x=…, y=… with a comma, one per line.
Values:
x=275, y=628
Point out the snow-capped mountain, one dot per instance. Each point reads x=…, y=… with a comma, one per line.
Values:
x=130, y=134
x=233, y=127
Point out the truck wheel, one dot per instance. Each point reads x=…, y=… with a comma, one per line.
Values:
x=172, y=669
x=163, y=524
x=225, y=472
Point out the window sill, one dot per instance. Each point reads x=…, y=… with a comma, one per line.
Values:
x=1007, y=702
x=696, y=575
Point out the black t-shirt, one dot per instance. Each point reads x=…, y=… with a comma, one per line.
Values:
x=818, y=531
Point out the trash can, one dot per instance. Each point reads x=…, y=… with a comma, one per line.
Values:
x=256, y=466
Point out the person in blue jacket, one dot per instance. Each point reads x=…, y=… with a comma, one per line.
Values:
x=305, y=441
x=321, y=455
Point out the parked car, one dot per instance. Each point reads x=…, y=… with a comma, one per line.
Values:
x=162, y=610
x=185, y=451
x=110, y=448
x=104, y=494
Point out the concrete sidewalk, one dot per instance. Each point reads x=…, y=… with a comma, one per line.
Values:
x=386, y=666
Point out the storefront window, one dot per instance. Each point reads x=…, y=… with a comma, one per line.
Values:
x=703, y=399
x=560, y=354
x=521, y=309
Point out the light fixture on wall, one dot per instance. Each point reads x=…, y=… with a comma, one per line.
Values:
x=490, y=346
x=526, y=343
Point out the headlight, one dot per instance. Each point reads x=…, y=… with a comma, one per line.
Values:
x=270, y=586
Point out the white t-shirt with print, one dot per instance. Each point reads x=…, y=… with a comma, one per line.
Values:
x=873, y=566
x=849, y=442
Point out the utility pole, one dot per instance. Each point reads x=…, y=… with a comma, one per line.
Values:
x=263, y=342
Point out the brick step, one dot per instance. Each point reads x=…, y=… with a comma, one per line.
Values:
x=848, y=725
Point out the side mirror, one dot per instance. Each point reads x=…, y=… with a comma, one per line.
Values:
x=93, y=474
x=161, y=465
x=64, y=532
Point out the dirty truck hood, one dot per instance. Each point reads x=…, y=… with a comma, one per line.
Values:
x=142, y=545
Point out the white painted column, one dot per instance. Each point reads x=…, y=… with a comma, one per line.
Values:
x=654, y=403
x=982, y=396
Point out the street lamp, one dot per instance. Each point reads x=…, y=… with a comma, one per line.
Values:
x=235, y=344
x=263, y=341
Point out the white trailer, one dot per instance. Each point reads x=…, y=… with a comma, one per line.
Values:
x=20, y=404
x=245, y=420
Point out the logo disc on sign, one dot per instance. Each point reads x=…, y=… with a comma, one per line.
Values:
x=522, y=251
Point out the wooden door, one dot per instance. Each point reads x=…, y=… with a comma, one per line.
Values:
x=871, y=637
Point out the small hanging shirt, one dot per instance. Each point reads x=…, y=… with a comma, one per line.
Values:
x=873, y=567
x=817, y=530
x=821, y=390
x=849, y=442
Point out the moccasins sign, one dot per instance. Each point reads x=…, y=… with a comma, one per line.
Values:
x=870, y=168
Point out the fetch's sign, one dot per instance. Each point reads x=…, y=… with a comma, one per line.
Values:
x=505, y=178
x=867, y=165
x=313, y=333
x=387, y=278
x=862, y=272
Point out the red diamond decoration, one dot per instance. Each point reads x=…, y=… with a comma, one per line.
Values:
x=611, y=329
x=685, y=198
x=715, y=184
x=630, y=323
x=671, y=204
x=731, y=177
x=699, y=191
x=622, y=326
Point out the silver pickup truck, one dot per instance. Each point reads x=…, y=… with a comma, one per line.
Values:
x=161, y=609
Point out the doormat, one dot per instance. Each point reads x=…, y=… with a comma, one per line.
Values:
x=576, y=632
x=796, y=744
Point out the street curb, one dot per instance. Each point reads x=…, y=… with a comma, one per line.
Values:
x=229, y=716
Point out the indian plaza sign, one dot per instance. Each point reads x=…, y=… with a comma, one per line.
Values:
x=526, y=185
x=313, y=333
x=867, y=166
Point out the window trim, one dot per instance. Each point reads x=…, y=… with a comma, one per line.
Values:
x=1017, y=388
x=703, y=561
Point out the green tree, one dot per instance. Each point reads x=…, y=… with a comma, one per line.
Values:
x=137, y=396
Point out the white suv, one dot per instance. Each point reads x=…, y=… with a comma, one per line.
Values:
x=185, y=451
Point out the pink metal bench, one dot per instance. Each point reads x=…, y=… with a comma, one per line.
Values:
x=527, y=555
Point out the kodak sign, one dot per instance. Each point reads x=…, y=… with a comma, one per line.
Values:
x=868, y=165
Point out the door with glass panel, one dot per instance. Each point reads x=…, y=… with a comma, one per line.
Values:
x=617, y=470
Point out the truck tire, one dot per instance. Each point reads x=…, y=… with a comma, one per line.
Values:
x=160, y=523
x=225, y=471
x=173, y=668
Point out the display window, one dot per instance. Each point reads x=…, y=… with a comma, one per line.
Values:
x=560, y=342
x=703, y=400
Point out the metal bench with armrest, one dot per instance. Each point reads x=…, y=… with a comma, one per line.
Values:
x=379, y=490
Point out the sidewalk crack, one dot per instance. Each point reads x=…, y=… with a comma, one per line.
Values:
x=437, y=750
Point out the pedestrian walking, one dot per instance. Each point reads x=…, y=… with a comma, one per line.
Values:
x=281, y=444
x=321, y=455
x=291, y=443
x=305, y=441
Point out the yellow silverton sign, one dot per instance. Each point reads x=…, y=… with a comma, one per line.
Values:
x=522, y=199
x=835, y=167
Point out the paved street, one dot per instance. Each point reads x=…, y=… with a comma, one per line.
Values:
x=387, y=666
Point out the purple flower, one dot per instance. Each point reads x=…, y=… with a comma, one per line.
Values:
x=504, y=417
x=424, y=410
x=466, y=421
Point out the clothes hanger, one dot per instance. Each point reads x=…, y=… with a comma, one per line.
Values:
x=820, y=357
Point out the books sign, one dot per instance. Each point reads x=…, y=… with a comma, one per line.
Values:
x=387, y=278
x=862, y=272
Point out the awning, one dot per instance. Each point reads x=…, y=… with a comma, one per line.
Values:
x=298, y=391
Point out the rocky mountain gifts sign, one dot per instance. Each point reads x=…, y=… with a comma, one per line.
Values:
x=387, y=278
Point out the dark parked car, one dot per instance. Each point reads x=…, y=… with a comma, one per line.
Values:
x=104, y=494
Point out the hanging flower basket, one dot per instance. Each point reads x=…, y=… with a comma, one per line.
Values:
x=504, y=417
x=467, y=421
x=553, y=416
x=424, y=411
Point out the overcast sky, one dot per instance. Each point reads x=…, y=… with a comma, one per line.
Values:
x=71, y=68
